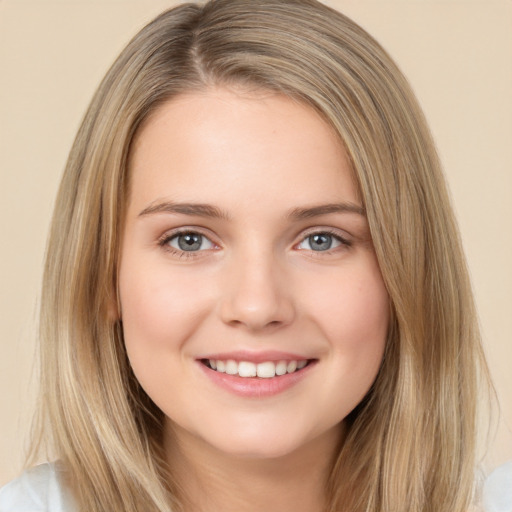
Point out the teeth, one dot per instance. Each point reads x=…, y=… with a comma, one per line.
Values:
x=281, y=367
x=265, y=370
x=231, y=367
x=292, y=366
x=246, y=369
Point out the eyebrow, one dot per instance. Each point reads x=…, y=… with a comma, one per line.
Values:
x=197, y=209
x=325, y=209
x=207, y=210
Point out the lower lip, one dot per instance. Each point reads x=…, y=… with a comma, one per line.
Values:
x=256, y=387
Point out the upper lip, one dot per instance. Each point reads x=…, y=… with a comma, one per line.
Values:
x=256, y=357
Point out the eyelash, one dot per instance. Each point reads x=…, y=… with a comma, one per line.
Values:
x=165, y=239
x=344, y=243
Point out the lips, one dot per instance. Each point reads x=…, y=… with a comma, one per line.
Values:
x=256, y=375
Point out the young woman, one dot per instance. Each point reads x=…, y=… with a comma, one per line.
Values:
x=255, y=296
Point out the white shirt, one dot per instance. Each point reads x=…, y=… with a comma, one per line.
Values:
x=497, y=495
x=39, y=489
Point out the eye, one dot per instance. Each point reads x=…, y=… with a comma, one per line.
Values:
x=189, y=242
x=322, y=241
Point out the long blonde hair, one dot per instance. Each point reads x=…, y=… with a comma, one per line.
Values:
x=410, y=444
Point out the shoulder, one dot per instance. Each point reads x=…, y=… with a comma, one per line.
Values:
x=39, y=489
x=497, y=493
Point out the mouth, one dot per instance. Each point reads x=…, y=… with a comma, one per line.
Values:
x=256, y=375
x=262, y=370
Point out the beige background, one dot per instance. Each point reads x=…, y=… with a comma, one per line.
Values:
x=456, y=53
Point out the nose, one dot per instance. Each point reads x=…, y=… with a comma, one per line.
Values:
x=256, y=295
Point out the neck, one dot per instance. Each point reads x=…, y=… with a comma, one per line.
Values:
x=213, y=481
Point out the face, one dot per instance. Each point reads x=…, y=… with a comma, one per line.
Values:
x=253, y=308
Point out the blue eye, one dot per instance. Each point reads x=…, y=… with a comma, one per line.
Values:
x=321, y=242
x=190, y=242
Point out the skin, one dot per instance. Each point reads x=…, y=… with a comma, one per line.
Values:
x=257, y=283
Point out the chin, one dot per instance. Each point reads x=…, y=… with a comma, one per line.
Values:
x=261, y=440
x=263, y=448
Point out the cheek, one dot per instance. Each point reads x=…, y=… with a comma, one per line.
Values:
x=159, y=310
x=354, y=318
x=353, y=312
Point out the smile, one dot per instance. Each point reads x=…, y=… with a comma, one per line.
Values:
x=247, y=369
x=256, y=375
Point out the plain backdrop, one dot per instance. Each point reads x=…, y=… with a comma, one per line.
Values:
x=456, y=53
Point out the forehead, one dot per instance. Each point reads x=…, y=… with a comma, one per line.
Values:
x=247, y=143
